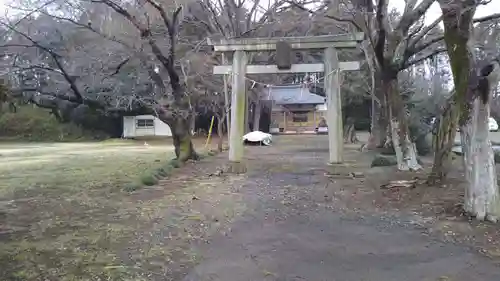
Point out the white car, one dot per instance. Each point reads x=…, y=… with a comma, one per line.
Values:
x=492, y=124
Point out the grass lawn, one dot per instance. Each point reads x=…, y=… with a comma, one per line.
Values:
x=75, y=167
x=64, y=214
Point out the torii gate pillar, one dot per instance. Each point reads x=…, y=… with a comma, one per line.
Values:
x=333, y=106
x=238, y=107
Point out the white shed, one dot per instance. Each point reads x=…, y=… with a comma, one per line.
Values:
x=144, y=126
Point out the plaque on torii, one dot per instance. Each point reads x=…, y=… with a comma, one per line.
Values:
x=283, y=55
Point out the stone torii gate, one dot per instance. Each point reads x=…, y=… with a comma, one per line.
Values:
x=284, y=46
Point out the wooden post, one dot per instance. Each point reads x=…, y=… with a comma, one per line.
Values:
x=238, y=106
x=284, y=121
x=314, y=119
x=334, y=106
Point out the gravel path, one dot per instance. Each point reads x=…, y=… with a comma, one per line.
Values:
x=292, y=233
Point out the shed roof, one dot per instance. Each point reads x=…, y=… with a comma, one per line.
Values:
x=292, y=94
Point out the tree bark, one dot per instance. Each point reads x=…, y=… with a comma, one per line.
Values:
x=247, y=114
x=406, y=154
x=182, y=138
x=457, y=33
x=482, y=198
x=379, y=121
x=443, y=141
x=220, y=131
x=457, y=24
x=350, y=131
x=378, y=128
x=221, y=118
x=227, y=103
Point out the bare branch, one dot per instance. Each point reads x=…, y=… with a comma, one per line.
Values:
x=339, y=19
x=417, y=48
x=56, y=58
x=412, y=50
x=418, y=37
x=487, y=18
x=411, y=16
x=423, y=58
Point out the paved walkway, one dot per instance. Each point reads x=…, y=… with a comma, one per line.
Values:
x=289, y=234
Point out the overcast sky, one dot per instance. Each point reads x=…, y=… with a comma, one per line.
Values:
x=433, y=13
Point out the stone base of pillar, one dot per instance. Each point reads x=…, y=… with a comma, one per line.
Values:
x=236, y=168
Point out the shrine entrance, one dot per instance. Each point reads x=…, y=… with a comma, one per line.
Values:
x=284, y=46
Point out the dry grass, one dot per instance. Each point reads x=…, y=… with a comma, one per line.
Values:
x=75, y=167
x=52, y=198
x=64, y=214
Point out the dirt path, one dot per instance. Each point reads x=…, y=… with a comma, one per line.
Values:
x=296, y=228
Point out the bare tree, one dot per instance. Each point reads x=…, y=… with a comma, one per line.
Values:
x=60, y=65
x=173, y=108
x=140, y=89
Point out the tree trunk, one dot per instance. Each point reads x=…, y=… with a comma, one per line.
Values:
x=482, y=198
x=220, y=132
x=406, y=154
x=472, y=98
x=182, y=139
x=256, y=115
x=247, y=115
x=457, y=19
x=350, y=131
x=379, y=127
x=443, y=141
x=379, y=121
x=227, y=104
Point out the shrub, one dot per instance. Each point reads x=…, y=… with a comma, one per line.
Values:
x=175, y=163
x=162, y=172
x=131, y=187
x=37, y=124
x=383, y=161
x=149, y=179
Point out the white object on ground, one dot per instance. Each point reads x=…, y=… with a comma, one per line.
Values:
x=322, y=129
x=258, y=136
